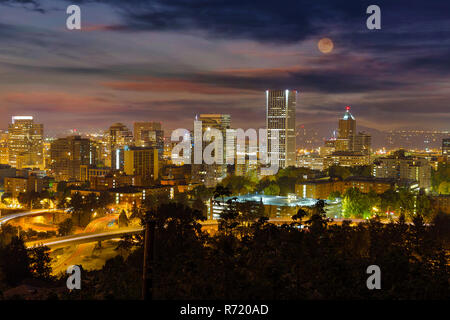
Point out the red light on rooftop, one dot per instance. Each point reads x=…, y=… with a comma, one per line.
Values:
x=347, y=108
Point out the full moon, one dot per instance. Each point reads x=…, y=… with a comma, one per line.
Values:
x=325, y=45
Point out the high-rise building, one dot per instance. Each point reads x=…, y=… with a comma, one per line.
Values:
x=118, y=137
x=446, y=147
x=25, y=142
x=149, y=134
x=68, y=155
x=280, y=117
x=141, y=161
x=363, y=143
x=210, y=174
x=4, y=155
x=350, y=141
x=347, y=129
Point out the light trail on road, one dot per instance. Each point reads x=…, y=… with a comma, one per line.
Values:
x=21, y=215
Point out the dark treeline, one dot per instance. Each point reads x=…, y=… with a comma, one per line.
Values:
x=249, y=258
x=252, y=259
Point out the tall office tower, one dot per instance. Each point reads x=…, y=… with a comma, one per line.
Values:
x=118, y=137
x=46, y=153
x=211, y=174
x=347, y=129
x=141, y=161
x=149, y=134
x=25, y=142
x=280, y=116
x=446, y=147
x=363, y=143
x=68, y=155
x=4, y=155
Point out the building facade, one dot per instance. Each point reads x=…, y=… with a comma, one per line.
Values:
x=141, y=161
x=280, y=118
x=149, y=134
x=68, y=155
x=25, y=140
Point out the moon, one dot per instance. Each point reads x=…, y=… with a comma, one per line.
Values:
x=325, y=45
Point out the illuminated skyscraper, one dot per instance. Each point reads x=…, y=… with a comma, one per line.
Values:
x=68, y=155
x=4, y=155
x=25, y=142
x=210, y=174
x=118, y=137
x=149, y=134
x=347, y=128
x=139, y=161
x=280, y=116
x=446, y=147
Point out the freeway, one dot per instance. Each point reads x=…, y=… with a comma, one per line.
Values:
x=82, y=238
x=104, y=235
x=21, y=214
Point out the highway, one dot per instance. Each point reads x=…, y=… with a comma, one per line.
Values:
x=82, y=238
x=21, y=214
x=104, y=235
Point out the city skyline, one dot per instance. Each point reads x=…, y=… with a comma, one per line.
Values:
x=129, y=63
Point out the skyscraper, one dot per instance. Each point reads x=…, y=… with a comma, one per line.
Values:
x=363, y=143
x=142, y=162
x=347, y=128
x=25, y=142
x=4, y=155
x=280, y=116
x=446, y=147
x=68, y=155
x=210, y=174
x=149, y=134
x=119, y=136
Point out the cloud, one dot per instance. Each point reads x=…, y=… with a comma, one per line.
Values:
x=150, y=84
x=34, y=5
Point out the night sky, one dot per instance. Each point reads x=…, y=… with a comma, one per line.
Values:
x=167, y=60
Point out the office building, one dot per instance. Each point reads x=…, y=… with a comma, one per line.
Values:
x=347, y=129
x=446, y=148
x=141, y=161
x=68, y=155
x=25, y=142
x=119, y=137
x=149, y=134
x=211, y=174
x=280, y=118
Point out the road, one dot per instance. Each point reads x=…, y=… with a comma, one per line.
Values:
x=84, y=249
x=93, y=235
x=21, y=215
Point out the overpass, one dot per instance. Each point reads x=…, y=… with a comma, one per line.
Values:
x=23, y=214
x=105, y=235
x=81, y=238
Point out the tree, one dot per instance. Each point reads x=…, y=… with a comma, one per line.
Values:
x=301, y=213
x=123, y=220
x=15, y=262
x=65, y=228
x=221, y=191
x=40, y=262
x=104, y=200
x=200, y=206
x=272, y=190
x=334, y=195
x=444, y=187
x=29, y=199
x=77, y=206
x=339, y=172
x=356, y=204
